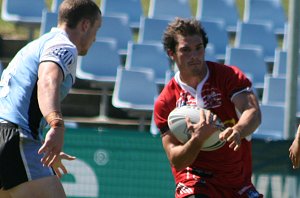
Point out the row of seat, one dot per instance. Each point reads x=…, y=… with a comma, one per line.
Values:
x=261, y=11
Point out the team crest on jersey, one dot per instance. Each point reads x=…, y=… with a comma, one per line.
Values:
x=211, y=98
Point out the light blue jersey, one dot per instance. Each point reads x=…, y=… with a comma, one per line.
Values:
x=18, y=86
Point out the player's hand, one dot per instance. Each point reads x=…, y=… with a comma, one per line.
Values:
x=232, y=136
x=205, y=127
x=295, y=153
x=58, y=166
x=52, y=146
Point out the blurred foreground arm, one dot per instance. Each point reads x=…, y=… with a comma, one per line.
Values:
x=295, y=150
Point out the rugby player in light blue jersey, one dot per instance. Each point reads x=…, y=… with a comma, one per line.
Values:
x=31, y=90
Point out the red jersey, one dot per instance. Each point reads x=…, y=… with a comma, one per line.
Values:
x=229, y=169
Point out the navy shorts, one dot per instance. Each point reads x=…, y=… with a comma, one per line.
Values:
x=19, y=158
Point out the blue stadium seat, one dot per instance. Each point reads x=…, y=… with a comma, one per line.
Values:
x=261, y=11
x=101, y=62
x=152, y=56
x=135, y=91
x=49, y=20
x=286, y=34
x=27, y=13
x=55, y=5
x=151, y=30
x=253, y=34
x=225, y=10
x=280, y=63
x=272, y=125
x=210, y=54
x=116, y=27
x=217, y=36
x=250, y=61
x=132, y=8
x=169, y=9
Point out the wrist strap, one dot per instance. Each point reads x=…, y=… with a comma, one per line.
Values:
x=54, y=119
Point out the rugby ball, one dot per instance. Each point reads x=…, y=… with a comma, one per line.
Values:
x=178, y=127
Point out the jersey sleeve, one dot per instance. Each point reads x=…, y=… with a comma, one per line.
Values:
x=237, y=82
x=64, y=55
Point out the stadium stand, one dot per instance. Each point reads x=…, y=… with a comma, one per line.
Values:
x=135, y=91
x=224, y=10
x=262, y=11
x=254, y=34
x=55, y=5
x=131, y=8
x=280, y=63
x=271, y=127
x=168, y=9
x=210, y=53
x=151, y=56
x=217, y=36
x=151, y=30
x=249, y=60
x=101, y=74
x=23, y=13
x=49, y=20
x=116, y=27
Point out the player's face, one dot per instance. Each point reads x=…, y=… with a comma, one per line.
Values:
x=189, y=55
x=89, y=37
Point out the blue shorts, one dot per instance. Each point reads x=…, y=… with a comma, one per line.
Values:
x=20, y=161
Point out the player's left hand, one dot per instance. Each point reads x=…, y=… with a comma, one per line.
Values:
x=58, y=166
x=295, y=153
x=232, y=136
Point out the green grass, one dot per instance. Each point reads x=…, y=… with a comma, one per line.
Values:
x=10, y=30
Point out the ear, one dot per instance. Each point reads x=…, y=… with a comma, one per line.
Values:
x=171, y=54
x=85, y=24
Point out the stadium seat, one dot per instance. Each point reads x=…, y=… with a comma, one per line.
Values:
x=261, y=11
x=272, y=125
x=210, y=53
x=27, y=13
x=55, y=5
x=152, y=56
x=169, y=9
x=217, y=36
x=99, y=68
x=253, y=34
x=132, y=8
x=224, y=10
x=280, y=63
x=275, y=92
x=116, y=27
x=151, y=30
x=135, y=91
x=250, y=61
x=49, y=20
x=285, y=41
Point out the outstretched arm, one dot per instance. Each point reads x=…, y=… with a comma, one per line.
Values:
x=50, y=78
x=295, y=150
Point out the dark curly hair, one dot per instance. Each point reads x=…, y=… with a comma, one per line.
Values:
x=184, y=27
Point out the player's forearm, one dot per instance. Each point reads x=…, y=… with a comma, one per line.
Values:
x=248, y=122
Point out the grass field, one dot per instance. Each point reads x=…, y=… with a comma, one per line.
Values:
x=9, y=30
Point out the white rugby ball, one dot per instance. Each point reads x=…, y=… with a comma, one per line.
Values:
x=178, y=127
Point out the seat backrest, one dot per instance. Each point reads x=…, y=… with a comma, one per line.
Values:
x=274, y=90
x=272, y=125
x=250, y=61
x=261, y=11
x=29, y=11
x=225, y=10
x=168, y=9
x=151, y=30
x=55, y=5
x=280, y=63
x=217, y=36
x=101, y=62
x=254, y=34
x=49, y=20
x=134, y=89
x=132, y=8
x=116, y=27
x=152, y=56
